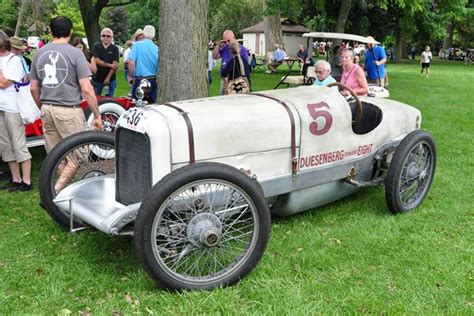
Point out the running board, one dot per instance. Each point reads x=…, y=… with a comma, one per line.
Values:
x=362, y=184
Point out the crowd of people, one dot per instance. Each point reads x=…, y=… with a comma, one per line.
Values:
x=59, y=78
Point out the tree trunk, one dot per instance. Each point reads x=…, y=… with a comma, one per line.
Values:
x=90, y=14
x=448, y=41
x=21, y=13
x=183, y=50
x=343, y=14
x=400, y=43
x=273, y=34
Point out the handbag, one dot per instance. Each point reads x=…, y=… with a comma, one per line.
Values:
x=29, y=111
x=239, y=85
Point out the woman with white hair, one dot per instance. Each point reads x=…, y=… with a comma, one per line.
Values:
x=323, y=73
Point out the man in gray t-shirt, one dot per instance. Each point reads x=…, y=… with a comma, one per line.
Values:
x=60, y=77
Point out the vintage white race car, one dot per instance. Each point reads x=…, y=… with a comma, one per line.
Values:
x=195, y=181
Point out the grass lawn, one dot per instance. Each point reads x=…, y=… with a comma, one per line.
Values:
x=349, y=257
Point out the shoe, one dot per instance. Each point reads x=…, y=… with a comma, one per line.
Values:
x=22, y=186
x=10, y=184
x=268, y=72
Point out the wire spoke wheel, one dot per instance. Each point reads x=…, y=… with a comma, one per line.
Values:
x=202, y=226
x=204, y=231
x=109, y=121
x=411, y=172
x=415, y=175
x=80, y=156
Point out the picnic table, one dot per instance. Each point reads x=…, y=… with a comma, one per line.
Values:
x=290, y=61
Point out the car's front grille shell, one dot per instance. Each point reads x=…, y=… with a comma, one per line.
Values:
x=133, y=163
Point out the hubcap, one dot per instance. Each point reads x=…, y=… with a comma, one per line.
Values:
x=204, y=229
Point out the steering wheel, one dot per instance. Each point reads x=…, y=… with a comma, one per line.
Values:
x=358, y=109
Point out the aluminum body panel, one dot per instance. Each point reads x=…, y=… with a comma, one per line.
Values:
x=93, y=202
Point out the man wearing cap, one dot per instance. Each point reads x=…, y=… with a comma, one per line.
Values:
x=375, y=59
x=106, y=57
x=18, y=48
x=143, y=62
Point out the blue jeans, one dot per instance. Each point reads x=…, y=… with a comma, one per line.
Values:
x=153, y=91
x=99, y=86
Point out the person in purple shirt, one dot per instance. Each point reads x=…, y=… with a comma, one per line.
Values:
x=222, y=51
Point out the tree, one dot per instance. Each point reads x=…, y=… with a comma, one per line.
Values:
x=90, y=13
x=144, y=12
x=118, y=20
x=21, y=14
x=234, y=15
x=343, y=14
x=8, y=17
x=71, y=10
x=183, y=50
x=272, y=21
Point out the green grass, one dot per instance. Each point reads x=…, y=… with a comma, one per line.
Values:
x=349, y=257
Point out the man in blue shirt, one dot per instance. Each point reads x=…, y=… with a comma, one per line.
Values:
x=143, y=62
x=277, y=59
x=222, y=51
x=375, y=59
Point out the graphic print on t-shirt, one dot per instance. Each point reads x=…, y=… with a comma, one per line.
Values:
x=52, y=69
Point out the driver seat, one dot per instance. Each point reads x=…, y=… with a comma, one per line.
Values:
x=371, y=118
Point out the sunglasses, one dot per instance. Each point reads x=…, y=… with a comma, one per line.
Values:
x=105, y=35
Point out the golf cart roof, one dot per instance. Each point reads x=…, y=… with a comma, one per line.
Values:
x=342, y=36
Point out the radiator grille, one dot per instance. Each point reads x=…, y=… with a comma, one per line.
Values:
x=133, y=178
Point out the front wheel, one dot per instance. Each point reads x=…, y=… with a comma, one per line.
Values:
x=80, y=156
x=411, y=172
x=202, y=226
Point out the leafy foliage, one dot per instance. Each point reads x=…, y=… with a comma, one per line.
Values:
x=234, y=15
x=117, y=18
x=9, y=9
x=144, y=12
x=71, y=10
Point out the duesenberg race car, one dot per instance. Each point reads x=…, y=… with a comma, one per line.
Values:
x=195, y=182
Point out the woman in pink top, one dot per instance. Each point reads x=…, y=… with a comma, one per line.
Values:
x=352, y=74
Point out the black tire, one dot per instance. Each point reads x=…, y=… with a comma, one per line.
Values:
x=410, y=175
x=110, y=111
x=244, y=212
x=85, y=146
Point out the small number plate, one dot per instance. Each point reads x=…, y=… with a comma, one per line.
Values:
x=133, y=119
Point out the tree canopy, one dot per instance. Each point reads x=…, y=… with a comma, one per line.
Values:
x=396, y=22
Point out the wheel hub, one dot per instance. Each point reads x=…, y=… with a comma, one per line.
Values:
x=107, y=126
x=413, y=171
x=204, y=229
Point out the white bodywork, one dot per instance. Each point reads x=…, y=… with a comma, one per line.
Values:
x=253, y=133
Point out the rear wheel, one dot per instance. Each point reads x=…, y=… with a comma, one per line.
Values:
x=411, y=172
x=80, y=156
x=202, y=226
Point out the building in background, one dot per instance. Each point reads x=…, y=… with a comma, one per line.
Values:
x=254, y=37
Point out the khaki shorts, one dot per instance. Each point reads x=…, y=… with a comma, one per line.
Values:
x=12, y=138
x=60, y=122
